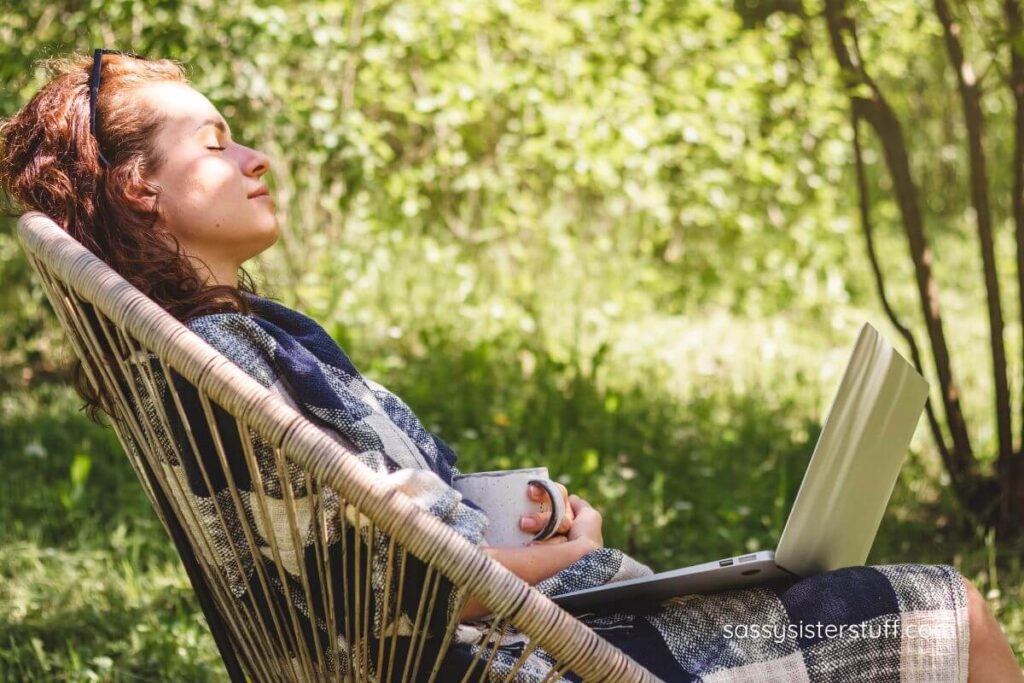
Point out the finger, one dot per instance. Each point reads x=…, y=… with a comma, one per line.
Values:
x=577, y=504
x=569, y=514
x=565, y=497
x=561, y=518
x=537, y=493
x=554, y=540
x=534, y=521
x=567, y=521
x=568, y=517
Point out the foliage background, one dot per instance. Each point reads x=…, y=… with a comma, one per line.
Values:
x=617, y=237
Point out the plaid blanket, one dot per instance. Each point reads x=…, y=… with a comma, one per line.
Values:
x=886, y=623
x=855, y=624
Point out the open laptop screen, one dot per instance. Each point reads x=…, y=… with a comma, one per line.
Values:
x=852, y=473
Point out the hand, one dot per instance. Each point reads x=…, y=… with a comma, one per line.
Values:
x=535, y=521
x=557, y=539
x=533, y=563
x=587, y=523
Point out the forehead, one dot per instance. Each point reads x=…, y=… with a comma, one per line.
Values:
x=184, y=108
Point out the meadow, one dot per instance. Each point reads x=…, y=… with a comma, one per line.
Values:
x=91, y=589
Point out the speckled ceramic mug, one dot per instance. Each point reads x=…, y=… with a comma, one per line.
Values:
x=504, y=497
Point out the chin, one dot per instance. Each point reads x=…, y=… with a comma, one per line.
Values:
x=271, y=234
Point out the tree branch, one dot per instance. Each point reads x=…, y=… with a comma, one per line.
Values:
x=915, y=354
x=970, y=98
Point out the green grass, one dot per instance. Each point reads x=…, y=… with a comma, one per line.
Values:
x=90, y=589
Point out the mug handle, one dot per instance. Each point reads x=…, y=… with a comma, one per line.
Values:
x=557, y=509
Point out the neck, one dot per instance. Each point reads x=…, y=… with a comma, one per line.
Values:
x=221, y=274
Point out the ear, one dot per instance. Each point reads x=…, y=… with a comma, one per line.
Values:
x=146, y=198
x=149, y=200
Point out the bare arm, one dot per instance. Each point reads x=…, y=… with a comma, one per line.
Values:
x=539, y=561
x=533, y=564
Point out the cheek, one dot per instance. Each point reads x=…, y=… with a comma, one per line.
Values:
x=204, y=202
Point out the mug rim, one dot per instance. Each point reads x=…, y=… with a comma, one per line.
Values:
x=498, y=473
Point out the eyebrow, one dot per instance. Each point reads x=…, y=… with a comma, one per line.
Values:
x=217, y=123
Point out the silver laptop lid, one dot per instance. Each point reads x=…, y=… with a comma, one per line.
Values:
x=854, y=467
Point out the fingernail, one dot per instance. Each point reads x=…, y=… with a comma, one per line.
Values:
x=534, y=490
x=527, y=522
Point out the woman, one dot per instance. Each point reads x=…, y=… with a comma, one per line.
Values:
x=163, y=194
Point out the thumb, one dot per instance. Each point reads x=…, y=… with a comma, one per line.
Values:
x=577, y=504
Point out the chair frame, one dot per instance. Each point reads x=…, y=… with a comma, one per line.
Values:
x=71, y=275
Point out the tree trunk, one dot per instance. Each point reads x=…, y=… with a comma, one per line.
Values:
x=1012, y=509
x=864, y=205
x=970, y=98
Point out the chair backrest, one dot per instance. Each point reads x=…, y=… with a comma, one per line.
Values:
x=188, y=418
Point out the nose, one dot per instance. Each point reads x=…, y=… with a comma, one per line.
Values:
x=257, y=163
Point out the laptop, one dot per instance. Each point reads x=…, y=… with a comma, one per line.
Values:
x=842, y=497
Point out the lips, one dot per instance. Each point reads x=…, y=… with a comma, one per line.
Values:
x=261, y=191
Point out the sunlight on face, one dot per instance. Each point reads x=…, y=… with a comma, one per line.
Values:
x=206, y=198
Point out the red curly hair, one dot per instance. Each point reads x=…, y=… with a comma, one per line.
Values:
x=49, y=162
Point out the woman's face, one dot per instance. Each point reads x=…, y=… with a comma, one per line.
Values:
x=208, y=196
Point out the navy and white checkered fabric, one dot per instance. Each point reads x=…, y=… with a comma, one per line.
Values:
x=885, y=623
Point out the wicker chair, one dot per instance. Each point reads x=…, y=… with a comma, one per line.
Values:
x=132, y=347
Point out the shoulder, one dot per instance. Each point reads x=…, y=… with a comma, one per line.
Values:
x=241, y=339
